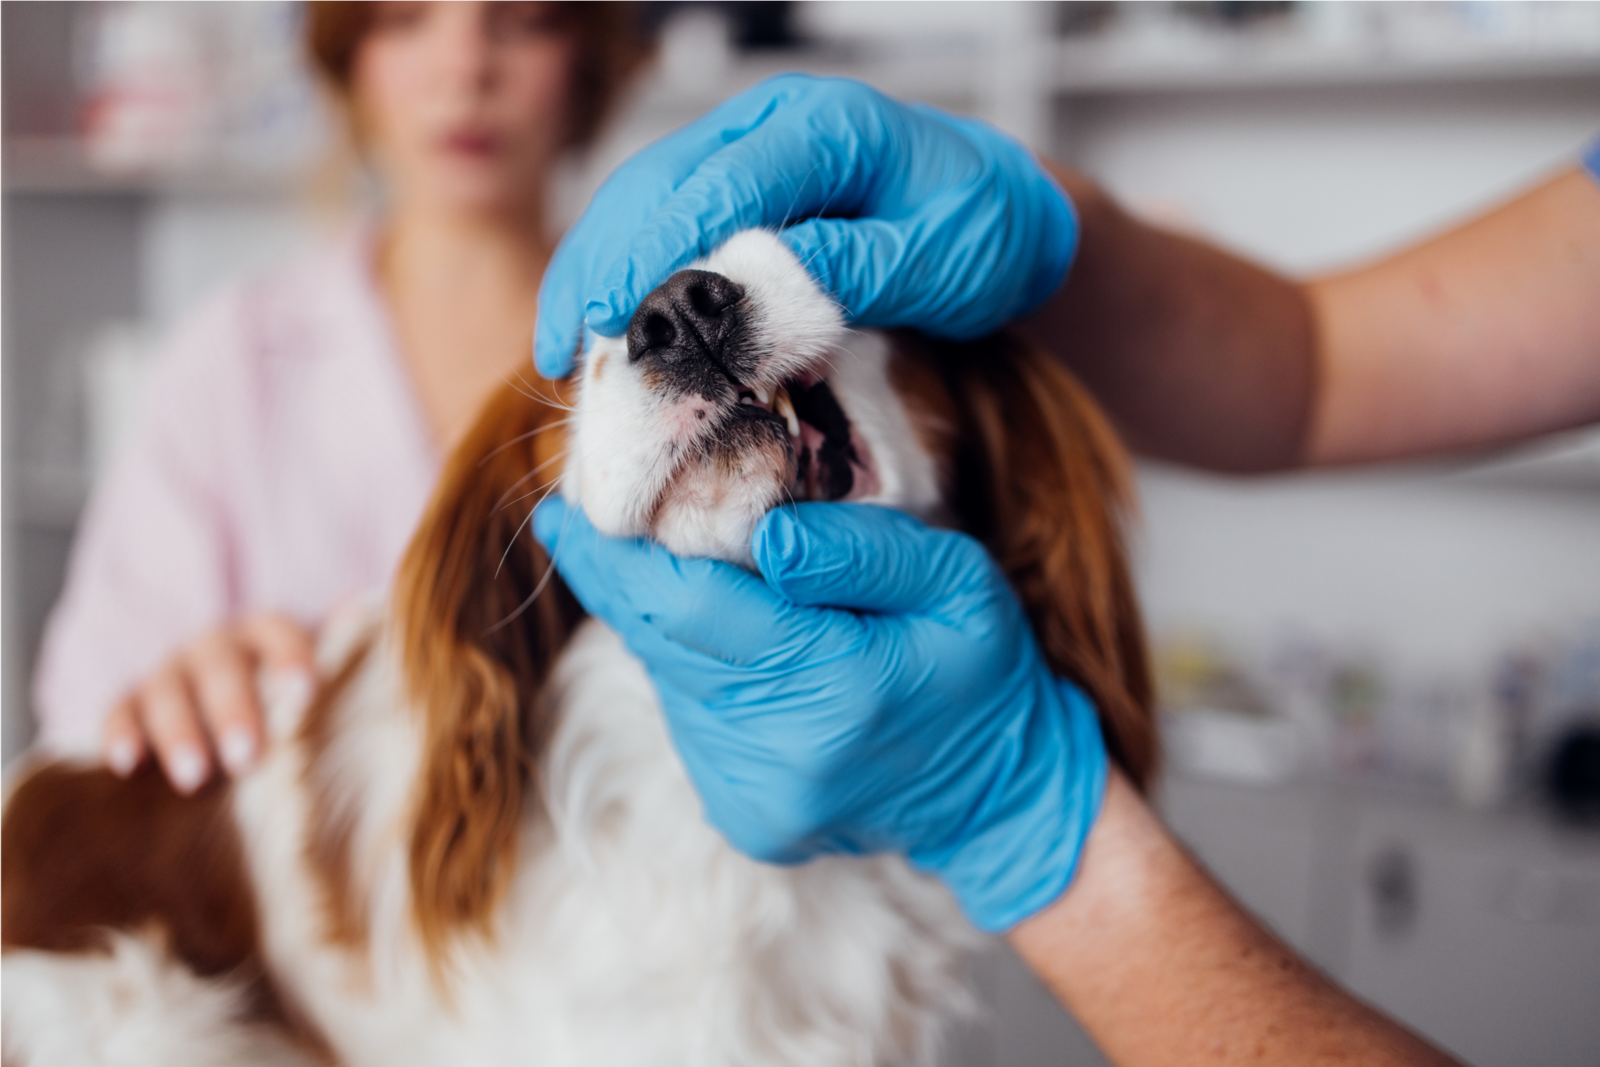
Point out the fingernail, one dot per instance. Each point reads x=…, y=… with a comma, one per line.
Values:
x=187, y=768
x=122, y=756
x=238, y=749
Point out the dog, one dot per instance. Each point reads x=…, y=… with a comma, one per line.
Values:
x=476, y=843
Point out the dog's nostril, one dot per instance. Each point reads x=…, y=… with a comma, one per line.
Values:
x=658, y=331
x=692, y=315
x=709, y=302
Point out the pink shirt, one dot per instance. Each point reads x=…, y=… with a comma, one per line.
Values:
x=280, y=462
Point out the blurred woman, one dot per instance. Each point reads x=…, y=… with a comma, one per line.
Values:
x=293, y=430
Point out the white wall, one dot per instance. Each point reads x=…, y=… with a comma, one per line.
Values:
x=1438, y=571
x=1309, y=179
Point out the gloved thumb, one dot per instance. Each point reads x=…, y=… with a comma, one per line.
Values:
x=866, y=558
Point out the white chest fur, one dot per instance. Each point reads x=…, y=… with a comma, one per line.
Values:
x=632, y=933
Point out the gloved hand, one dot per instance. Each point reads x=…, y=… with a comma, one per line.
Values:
x=915, y=715
x=907, y=215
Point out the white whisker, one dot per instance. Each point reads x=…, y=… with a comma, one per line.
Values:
x=539, y=587
x=518, y=531
x=504, y=503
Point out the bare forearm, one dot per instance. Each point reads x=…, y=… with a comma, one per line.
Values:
x=1198, y=355
x=1161, y=967
x=1484, y=335
x=1481, y=336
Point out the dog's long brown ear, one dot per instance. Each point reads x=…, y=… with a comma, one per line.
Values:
x=1037, y=474
x=477, y=644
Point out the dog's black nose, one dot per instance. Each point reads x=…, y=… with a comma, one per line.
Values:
x=692, y=317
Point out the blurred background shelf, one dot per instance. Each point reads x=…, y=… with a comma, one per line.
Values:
x=954, y=72
x=1206, y=63
x=47, y=498
x=62, y=165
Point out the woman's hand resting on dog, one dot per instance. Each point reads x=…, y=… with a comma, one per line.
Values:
x=202, y=706
x=913, y=713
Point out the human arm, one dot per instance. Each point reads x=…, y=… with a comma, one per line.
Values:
x=1162, y=967
x=912, y=714
x=1483, y=335
x=1477, y=337
x=928, y=727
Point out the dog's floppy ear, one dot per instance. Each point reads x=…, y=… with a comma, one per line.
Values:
x=1036, y=473
x=477, y=643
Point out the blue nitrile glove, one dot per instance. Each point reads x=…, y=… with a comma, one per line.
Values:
x=907, y=215
x=916, y=715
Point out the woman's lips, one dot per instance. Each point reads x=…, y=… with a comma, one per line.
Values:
x=474, y=144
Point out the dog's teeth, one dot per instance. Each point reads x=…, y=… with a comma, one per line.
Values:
x=764, y=396
x=782, y=406
x=747, y=398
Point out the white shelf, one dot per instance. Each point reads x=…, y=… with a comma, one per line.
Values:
x=952, y=81
x=1115, y=65
x=62, y=165
x=963, y=77
x=1566, y=461
x=1202, y=62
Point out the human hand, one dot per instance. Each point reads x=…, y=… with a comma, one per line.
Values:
x=906, y=215
x=204, y=700
x=914, y=715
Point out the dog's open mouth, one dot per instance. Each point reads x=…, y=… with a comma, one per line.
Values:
x=830, y=461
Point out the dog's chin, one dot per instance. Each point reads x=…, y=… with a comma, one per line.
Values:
x=710, y=514
x=762, y=456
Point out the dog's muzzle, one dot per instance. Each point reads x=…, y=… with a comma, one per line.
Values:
x=694, y=334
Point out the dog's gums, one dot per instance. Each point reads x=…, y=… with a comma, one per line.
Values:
x=827, y=460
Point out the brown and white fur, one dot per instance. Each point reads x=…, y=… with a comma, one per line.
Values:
x=476, y=844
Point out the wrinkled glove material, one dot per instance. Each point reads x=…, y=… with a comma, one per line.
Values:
x=880, y=690
x=906, y=215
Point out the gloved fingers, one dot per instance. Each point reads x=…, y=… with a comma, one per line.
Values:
x=869, y=558
x=621, y=206
x=704, y=606
x=559, y=327
x=769, y=176
x=922, y=270
x=856, y=261
x=624, y=582
x=750, y=794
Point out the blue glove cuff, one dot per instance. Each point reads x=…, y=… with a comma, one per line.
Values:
x=1026, y=835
